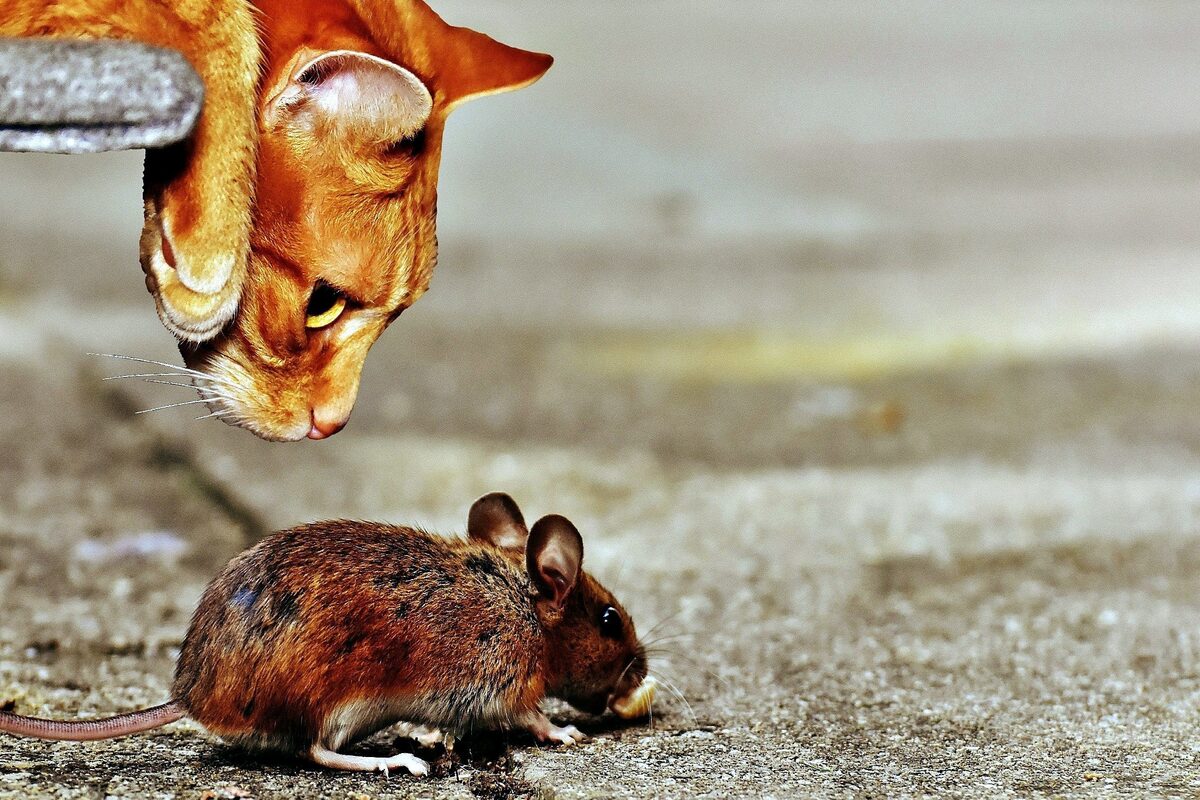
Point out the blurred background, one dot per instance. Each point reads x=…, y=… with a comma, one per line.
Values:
x=861, y=341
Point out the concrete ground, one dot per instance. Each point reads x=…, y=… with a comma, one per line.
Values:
x=884, y=420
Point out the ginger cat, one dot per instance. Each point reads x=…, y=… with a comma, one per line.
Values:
x=351, y=111
x=348, y=111
x=197, y=194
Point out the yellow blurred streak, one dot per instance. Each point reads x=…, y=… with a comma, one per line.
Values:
x=761, y=357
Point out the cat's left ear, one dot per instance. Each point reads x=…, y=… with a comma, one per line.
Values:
x=471, y=65
x=356, y=95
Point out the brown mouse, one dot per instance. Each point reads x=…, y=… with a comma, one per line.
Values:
x=324, y=634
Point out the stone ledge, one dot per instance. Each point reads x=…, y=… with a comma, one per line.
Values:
x=70, y=96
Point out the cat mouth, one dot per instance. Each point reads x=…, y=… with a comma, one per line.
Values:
x=237, y=414
x=231, y=395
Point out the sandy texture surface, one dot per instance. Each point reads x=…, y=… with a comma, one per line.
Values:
x=980, y=598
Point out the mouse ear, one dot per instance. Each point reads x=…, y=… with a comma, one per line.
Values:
x=553, y=556
x=495, y=519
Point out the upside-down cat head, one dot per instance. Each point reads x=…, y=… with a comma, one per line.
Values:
x=352, y=108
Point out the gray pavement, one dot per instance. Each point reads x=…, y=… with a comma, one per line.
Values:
x=885, y=416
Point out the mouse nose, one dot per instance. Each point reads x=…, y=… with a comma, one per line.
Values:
x=323, y=427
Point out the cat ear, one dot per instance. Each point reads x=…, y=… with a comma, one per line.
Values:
x=460, y=63
x=356, y=95
x=495, y=519
x=472, y=65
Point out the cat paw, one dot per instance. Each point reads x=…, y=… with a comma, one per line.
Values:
x=203, y=239
x=193, y=304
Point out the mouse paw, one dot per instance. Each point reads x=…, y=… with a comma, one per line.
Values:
x=428, y=737
x=568, y=736
x=425, y=735
x=335, y=760
x=546, y=731
x=418, y=767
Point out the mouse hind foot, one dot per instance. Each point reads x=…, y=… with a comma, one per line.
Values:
x=334, y=760
x=425, y=735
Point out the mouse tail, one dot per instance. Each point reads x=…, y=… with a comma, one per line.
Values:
x=91, y=729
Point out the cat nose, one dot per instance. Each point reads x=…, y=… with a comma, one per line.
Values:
x=323, y=428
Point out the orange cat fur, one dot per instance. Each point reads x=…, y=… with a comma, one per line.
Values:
x=197, y=194
x=351, y=111
x=350, y=98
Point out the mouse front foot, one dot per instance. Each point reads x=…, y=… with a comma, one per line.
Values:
x=568, y=736
x=335, y=760
x=546, y=731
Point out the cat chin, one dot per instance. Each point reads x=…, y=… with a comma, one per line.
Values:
x=269, y=436
x=233, y=396
x=237, y=419
x=236, y=415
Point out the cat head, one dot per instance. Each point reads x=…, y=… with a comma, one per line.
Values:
x=351, y=114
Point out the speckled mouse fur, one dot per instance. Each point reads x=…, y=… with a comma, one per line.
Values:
x=324, y=634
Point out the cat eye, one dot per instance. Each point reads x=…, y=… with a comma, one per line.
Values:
x=610, y=623
x=406, y=147
x=325, y=305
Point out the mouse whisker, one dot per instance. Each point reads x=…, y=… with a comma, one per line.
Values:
x=674, y=690
x=627, y=667
x=693, y=665
x=660, y=623
x=667, y=638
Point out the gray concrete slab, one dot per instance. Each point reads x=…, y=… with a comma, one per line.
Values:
x=982, y=600
x=62, y=96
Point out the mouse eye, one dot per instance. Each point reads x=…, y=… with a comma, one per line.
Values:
x=325, y=305
x=610, y=623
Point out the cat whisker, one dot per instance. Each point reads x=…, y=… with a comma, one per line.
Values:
x=172, y=405
x=178, y=369
x=151, y=361
x=196, y=384
x=209, y=392
x=143, y=375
